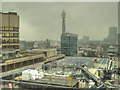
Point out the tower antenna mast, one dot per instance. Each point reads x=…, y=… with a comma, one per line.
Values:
x=63, y=21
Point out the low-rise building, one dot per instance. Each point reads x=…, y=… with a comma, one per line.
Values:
x=47, y=52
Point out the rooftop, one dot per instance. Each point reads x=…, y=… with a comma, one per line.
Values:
x=13, y=12
x=70, y=34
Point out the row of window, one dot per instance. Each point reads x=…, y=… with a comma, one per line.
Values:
x=10, y=40
x=11, y=46
x=69, y=39
x=69, y=45
x=9, y=28
x=72, y=38
x=11, y=34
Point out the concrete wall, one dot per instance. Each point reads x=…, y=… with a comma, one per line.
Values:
x=51, y=52
x=47, y=52
x=10, y=17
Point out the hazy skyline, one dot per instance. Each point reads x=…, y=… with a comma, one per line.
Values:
x=39, y=21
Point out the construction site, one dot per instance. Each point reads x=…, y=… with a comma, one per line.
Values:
x=69, y=72
x=64, y=66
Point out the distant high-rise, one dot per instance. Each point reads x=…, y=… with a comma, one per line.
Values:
x=10, y=34
x=69, y=42
x=112, y=37
x=63, y=22
x=85, y=39
x=119, y=44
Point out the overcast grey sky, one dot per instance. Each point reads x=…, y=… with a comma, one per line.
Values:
x=42, y=20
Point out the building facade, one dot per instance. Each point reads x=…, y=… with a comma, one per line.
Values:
x=69, y=44
x=10, y=34
x=85, y=39
x=113, y=35
x=119, y=44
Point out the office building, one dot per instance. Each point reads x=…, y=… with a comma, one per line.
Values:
x=0, y=40
x=69, y=42
x=85, y=39
x=112, y=37
x=10, y=34
x=119, y=44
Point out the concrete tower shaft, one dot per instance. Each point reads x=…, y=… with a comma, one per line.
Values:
x=63, y=22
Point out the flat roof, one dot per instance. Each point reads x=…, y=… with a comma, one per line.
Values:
x=70, y=34
x=11, y=12
x=11, y=61
x=44, y=49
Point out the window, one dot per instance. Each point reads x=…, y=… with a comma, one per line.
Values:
x=16, y=40
x=6, y=34
x=11, y=40
x=3, y=34
x=15, y=34
x=6, y=40
x=11, y=28
x=6, y=28
x=15, y=28
x=11, y=34
x=2, y=28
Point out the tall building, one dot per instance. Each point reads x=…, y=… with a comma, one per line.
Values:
x=119, y=44
x=85, y=39
x=69, y=42
x=47, y=43
x=10, y=34
x=0, y=39
x=112, y=37
x=119, y=32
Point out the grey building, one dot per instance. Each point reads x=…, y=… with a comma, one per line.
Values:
x=85, y=39
x=69, y=42
x=119, y=44
x=112, y=37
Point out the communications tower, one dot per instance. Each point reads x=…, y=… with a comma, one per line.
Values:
x=63, y=22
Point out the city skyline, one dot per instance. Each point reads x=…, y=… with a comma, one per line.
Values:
x=39, y=21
